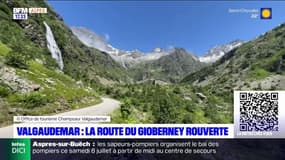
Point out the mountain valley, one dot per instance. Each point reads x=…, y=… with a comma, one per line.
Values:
x=47, y=68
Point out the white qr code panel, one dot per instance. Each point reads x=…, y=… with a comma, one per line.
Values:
x=259, y=114
x=258, y=111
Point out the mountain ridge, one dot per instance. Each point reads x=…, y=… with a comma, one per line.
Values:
x=142, y=66
x=92, y=39
x=168, y=68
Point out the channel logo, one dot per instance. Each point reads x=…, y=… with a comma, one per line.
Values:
x=22, y=13
x=266, y=13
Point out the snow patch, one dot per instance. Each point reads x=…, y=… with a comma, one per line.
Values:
x=217, y=52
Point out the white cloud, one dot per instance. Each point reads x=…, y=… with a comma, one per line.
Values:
x=106, y=36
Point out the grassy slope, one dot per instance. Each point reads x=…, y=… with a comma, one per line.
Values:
x=249, y=63
x=59, y=91
x=76, y=56
x=255, y=60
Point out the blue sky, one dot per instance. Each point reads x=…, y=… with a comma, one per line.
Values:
x=144, y=25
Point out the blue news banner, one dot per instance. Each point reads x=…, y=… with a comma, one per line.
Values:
x=106, y=131
x=122, y=131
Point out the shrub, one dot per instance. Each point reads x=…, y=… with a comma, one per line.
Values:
x=257, y=73
x=4, y=50
x=244, y=64
x=4, y=8
x=4, y=90
x=4, y=12
x=16, y=60
x=32, y=100
x=125, y=109
x=177, y=90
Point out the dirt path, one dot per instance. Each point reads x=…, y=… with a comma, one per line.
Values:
x=105, y=108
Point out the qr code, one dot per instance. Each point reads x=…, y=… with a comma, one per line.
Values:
x=258, y=111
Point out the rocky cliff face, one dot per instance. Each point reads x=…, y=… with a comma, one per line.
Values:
x=16, y=83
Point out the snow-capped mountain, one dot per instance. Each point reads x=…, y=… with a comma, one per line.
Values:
x=91, y=39
x=125, y=58
x=130, y=58
x=217, y=52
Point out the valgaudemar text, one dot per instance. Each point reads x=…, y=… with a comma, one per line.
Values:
x=123, y=131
